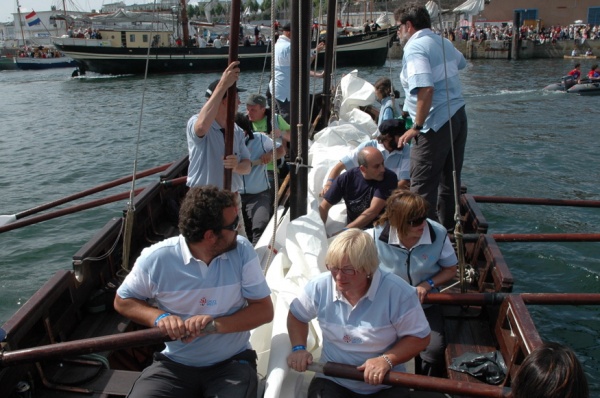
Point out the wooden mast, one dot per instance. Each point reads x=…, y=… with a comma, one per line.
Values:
x=21, y=24
x=184, y=22
x=234, y=33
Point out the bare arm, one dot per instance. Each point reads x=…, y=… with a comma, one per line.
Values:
x=144, y=314
x=445, y=275
x=366, y=217
x=424, y=99
x=298, y=332
x=324, y=210
x=256, y=313
x=243, y=167
x=208, y=113
x=404, y=184
x=405, y=349
x=333, y=174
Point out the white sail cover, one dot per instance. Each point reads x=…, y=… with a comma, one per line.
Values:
x=470, y=7
x=432, y=8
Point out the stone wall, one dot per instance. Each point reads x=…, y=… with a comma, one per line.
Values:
x=493, y=49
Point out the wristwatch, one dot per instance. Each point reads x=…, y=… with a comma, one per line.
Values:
x=417, y=127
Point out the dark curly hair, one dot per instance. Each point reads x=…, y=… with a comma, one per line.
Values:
x=416, y=13
x=202, y=210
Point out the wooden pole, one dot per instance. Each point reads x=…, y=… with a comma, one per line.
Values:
x=528, y=298
x=232, y=96
x=417, y=382
x=68, y=210
x=83, y=346
x=536, y=201
x=88, y=192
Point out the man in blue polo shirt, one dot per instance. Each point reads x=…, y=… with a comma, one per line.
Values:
x=430, y=78
x=206, y=140
x=207, y=292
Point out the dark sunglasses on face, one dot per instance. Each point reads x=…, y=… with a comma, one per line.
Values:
x=233, y=226
x=415, y=222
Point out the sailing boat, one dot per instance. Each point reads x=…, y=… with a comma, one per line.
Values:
x=39, y=57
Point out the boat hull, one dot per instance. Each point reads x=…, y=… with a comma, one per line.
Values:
x=7, y=63
x=359, y=50
x=585, y=89
x=28, y=63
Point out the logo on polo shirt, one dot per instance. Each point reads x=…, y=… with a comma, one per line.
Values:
x=204, y=302
x=352, y=340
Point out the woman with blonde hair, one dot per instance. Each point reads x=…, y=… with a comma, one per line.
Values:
x=419, y=251
x=369, y=318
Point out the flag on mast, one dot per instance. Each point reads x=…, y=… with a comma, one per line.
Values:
x=32, y=19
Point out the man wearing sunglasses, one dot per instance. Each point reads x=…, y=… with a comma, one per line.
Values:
x=208, y=291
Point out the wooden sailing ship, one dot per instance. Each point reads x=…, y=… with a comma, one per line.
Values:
x=67, y=340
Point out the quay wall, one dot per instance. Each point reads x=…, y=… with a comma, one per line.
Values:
x=501, y=49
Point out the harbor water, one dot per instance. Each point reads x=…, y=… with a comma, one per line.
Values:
x=59, y=136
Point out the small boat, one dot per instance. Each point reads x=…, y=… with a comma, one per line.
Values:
x=565, y=83
x=586, y=88
x=33, y=63
x=580, y=56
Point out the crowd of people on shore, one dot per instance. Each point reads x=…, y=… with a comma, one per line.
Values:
x=40, y=52
x=206, y=290
x=552, y=34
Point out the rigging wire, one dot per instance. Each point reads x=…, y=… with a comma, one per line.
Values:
x=458, y=230
x=130, y=214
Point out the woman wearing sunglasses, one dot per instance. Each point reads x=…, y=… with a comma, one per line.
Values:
x=419, y=251
x=369, y=318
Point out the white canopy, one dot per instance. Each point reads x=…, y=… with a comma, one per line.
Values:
x=470, y=7
x=432, y=8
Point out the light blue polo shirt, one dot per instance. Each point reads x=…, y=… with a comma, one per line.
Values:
x=423, y=66
x=397, y=161
x=389, y=311
x=283, y=59
x=207, y=153
x=168, y=274
x=257, y=181
x=432, y=252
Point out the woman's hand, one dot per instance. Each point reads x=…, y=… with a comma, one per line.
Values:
x=299, y=360
x=422, y=291
x=374, y=369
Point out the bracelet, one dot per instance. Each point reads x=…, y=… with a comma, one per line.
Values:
x=430, y=281
x=298, y=348
x=161, y=316
x=388, y=360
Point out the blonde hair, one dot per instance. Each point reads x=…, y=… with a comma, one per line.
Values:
x=401, y=207
x=355, y=245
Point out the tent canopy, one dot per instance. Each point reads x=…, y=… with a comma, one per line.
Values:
x=470, y=7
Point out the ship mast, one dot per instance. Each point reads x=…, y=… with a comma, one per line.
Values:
x=21, y=24
x=184, y=22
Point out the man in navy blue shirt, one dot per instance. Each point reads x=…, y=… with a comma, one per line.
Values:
x=364, y=189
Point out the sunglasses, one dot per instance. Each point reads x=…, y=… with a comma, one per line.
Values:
x=346, y=271
x=234, y=225
x=415, y=222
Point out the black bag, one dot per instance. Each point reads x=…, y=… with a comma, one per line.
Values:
x=488, y=367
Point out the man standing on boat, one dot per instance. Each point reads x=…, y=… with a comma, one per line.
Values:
x=208, y=291
x=206, y=140
x=283, y=58
x=435, y=103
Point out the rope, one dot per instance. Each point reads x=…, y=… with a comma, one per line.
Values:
x=129, y=218
x=273, y=117
x=458, y=227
